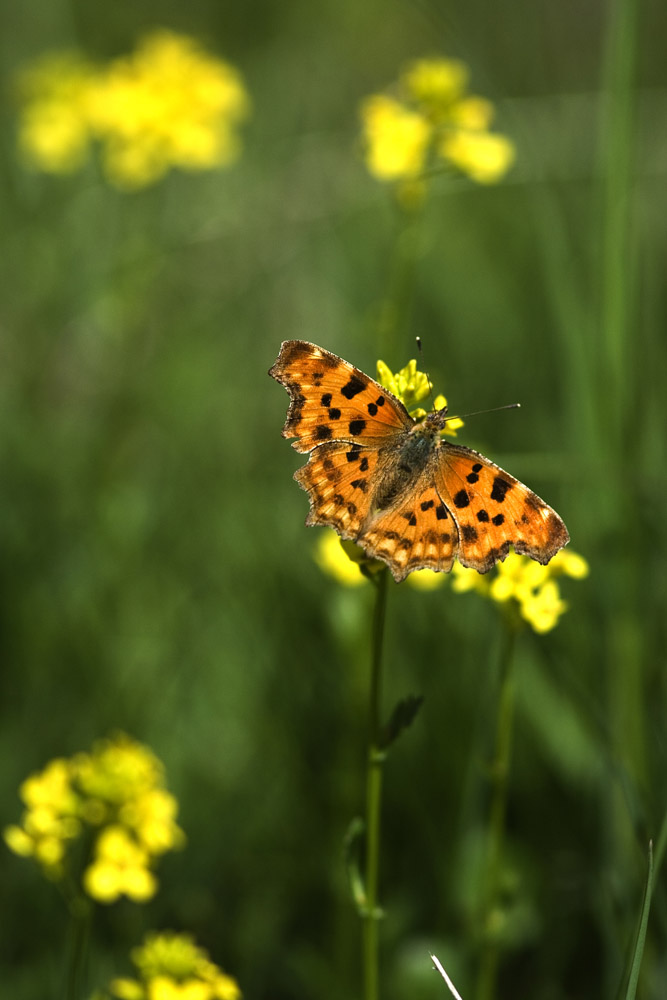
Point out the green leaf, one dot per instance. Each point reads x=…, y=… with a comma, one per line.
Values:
x=401, y=718
x=638, y=953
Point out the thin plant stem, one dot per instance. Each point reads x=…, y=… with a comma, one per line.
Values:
x=374, y=764
x=500, y=768
x=396, y=315
x=77, y=952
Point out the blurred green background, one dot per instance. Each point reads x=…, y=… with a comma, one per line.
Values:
x=156, y=574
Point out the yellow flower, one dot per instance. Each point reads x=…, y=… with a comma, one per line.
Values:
x=542, y=608
x=172, y=967
x=426, y=579
x=54, y=134
x=483, y=156
x=153, y=817
x=432, y=117
x=50, y=819
x=473, y=113
x=168, y=104
x=436, y=83
x=570, y=563
x=412, y=386
x=120, y=868
x=529, y=586
x=332, y=558
x=396, y=138
x=465, y=580
x=117, y=790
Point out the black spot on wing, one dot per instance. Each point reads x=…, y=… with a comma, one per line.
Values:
x=482, y=516
x=469, y=533
x=356, y=385
x=500, y=488
x=357, y=427
x=461, y=499
x=322, y=432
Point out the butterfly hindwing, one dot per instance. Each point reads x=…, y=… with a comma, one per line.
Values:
x=338, y=479
x=331, y=400
x=494, y=510
x=415, y=533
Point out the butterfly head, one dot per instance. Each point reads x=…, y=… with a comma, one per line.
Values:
x=434, y=422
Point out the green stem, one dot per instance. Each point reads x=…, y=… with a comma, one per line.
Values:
x=79, y=934
x=375, y=760
x=396, y=314
x=500, y=767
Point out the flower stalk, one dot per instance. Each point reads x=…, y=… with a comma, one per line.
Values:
x=491, y=916
x=374, y=766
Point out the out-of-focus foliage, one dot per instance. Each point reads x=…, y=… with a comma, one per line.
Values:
x=156, y=576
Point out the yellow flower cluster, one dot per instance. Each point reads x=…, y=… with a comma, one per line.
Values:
x=431, y=120
x=168, y=104
x=172, y=967
x=530, y=587
x=117, y=792
x=412, y=387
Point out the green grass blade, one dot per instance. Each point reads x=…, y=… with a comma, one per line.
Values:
x=641, y=930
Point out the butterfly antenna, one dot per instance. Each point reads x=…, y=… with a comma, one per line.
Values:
x=494, y=409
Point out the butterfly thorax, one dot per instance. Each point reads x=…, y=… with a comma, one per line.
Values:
x=413, y=455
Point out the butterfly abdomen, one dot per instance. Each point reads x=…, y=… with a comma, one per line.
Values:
x=413, y=457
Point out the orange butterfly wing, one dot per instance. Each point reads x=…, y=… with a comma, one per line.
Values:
x=418, y=532
x=493, y=510
x=451, y=502
x=338, y=479
x=331, y=400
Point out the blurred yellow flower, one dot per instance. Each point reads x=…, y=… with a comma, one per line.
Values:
x=172, y=967
x=120, y=868
x=483, y=156
x=435, y=83
x=51, y=817
x=118, y=792
x=396, y=138
x=529, y=586
x=54, y=134
x=333, y=560
x=168, y=104
x=432, y=119
x=426, y=579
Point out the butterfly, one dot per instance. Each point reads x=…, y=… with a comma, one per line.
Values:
x=392, y=484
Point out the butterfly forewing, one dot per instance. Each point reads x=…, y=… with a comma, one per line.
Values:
x=494, y=510
x=331, y=400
